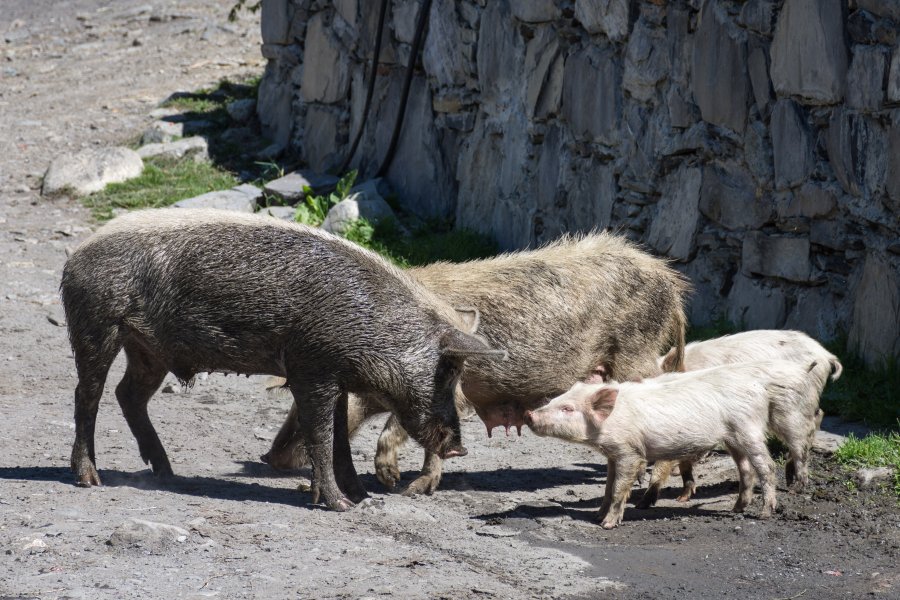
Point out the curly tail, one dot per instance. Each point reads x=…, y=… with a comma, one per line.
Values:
x=836, y=368
x=674, y=360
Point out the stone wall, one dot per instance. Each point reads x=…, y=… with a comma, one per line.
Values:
x=755, y=142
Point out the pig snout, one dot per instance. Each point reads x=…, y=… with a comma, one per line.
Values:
x=457, y=451
x=528, y=419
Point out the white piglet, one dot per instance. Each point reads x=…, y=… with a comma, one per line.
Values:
x=763, y=344
x=683, y=416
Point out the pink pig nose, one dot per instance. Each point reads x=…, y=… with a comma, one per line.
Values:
x=527, y=418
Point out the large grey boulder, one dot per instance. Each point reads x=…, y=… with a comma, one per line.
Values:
x=499, y=56
x=754, y=305
x=776, y=256
x=674, y=229
x=544, y=66
x=242, y=198
x=645, y=64
x=535, y=11
x=809, y=55
x=442, y=55
x=193, y=146
x=792, y=144
x=893, y=84
x=592, y=100
x=363, y=203
x=90, y=171
x=719, y=70
x=857, y=150
x=326, y=76
x=865, y=80
x=604, y=16
x=875, y=326
x=728, y=198
x=810, y=201
x=275, y=20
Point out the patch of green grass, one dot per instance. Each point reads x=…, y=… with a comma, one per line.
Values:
x=874, y=450
x=426, y=245
x=162, y=183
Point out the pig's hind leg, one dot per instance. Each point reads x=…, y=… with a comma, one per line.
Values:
x=746, y=480
x=392, y=437
x=764, y=466
x=94, y=353
x=347, y=478
x=143, y=376
x=661, y=471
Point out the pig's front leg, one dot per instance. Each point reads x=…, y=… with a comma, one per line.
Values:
x=627, y=468
x=316, y=405
x=430, y=477
x=392, y=437
x=608, y=490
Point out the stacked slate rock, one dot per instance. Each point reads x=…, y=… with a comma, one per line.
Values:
x=756, y=143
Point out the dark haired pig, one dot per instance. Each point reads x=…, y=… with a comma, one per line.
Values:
x=749, y=346
x=684, y=415
x=576, y=309
x=186, y=291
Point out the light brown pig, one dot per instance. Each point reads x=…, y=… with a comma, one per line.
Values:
x=763, y=344
x=579, y=308
x=683, y=416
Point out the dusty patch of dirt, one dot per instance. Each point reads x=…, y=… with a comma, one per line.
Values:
x=513, y=519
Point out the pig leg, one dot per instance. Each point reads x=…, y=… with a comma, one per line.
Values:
x=626, y=472
x=746, y=481
x=765, y=470
x=93, y=358
x=143, y=376
x=661, y=471
x=430, y=477
x=347, y=479
x=317, y=402
x=796, y=470
x=392, y=437
x=287, y=451
x=689, y=487
x=608, y=491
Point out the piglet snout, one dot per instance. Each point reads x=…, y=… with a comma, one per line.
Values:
x=527, y=418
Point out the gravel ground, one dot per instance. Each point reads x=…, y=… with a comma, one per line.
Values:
x=513, y=519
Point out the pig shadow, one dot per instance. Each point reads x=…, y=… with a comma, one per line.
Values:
x=499, y=480
x=204, y=487
x=586, y=510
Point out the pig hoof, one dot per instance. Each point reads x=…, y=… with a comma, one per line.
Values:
x=422, y=485
x=304, y=486
x=265, y=458
x=684, y=497
x=342, y=504
x=609, y=524
x=738, y=508
x=388, y=475
x=88, y=478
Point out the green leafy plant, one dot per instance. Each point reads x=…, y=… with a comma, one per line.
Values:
x=313, y=209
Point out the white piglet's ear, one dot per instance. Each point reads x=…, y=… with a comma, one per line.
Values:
x=603, y=401
x=470, y=317
x=461, y=344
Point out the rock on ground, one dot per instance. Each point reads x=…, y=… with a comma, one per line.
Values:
x=91, y=170
x=242, y=198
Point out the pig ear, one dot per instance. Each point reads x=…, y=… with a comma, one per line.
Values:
x=470, y=318
x=603, y=402
x=461, y=344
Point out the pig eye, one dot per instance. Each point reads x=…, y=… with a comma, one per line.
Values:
x=567, y=409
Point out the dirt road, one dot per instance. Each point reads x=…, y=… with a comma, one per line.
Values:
x=511, y=520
